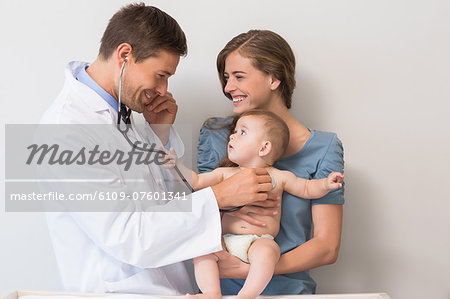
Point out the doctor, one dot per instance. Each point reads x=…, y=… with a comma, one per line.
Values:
x=132, y=251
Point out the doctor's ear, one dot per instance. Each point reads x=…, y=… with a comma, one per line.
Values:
x=123, y=52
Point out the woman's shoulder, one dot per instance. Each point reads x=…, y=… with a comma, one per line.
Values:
x=324, y=141
x=212, y=142
x=218, y=122
x=329, y=149
x=323, y=137
x=321, y=148
x=215, y=130
x=215, y=123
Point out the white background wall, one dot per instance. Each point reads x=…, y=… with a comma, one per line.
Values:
x=375, y=72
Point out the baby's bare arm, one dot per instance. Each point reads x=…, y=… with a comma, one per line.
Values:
x=207, y=179
x=202, y=180
x=309, y=189
x=198, y=181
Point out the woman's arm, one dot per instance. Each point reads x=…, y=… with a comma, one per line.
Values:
x=326, y=213
x=322, y=249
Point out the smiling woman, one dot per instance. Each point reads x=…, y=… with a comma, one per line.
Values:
x=258, y=67
x=248, y=87
x=257, y=71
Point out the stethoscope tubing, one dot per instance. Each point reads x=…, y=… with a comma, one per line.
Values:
x=177, y=170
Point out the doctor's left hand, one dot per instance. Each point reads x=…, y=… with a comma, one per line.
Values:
x=160, y=113
x=161, y=110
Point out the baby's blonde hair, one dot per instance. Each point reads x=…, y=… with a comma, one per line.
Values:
x=275, y=130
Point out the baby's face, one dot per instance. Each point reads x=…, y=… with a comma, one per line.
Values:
x=246, y=141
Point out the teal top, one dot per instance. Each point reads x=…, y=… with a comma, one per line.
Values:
x=321, y=155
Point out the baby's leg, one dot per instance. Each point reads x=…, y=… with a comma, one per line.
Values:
x=263, y=255
x=207, y=277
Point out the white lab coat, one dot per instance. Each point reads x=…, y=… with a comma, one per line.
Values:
x=134, y=252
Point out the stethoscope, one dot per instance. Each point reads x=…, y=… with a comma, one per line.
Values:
x=153, y=146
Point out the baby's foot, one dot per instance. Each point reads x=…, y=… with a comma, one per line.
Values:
x=204, y=296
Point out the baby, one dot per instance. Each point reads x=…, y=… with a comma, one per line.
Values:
x=259, y=140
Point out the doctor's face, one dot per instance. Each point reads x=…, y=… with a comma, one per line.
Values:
x=147, y=79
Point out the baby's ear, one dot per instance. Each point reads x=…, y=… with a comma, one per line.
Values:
x=266, y=148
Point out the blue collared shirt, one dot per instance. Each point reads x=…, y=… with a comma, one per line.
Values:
x=87, y=80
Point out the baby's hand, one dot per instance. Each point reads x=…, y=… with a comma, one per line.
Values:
x=170, y=159
x=335, y=180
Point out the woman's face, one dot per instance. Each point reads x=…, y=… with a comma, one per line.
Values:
x=249, y=87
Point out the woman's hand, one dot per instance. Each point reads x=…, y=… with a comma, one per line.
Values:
x=260, y=208
x=230, y=266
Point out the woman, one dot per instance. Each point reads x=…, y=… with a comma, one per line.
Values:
x=257, y=71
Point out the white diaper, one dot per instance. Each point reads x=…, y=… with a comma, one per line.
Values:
x=238, y=245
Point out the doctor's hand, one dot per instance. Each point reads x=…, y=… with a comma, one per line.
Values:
x=245, y=187
x=161, y=109
x=160, y=113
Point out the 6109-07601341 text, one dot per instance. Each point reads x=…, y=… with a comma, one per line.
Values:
x=98, y=195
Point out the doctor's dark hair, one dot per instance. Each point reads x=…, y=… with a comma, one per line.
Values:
x=269, y=53
x=147, y=29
